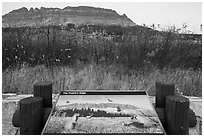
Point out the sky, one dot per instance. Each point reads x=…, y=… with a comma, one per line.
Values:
x=164, y=13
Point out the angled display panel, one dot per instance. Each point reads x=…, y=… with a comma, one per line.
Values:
x=103, y=112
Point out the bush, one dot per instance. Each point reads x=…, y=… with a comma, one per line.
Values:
x=133, y=47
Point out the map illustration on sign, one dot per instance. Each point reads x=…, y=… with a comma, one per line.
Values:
x=104, y=113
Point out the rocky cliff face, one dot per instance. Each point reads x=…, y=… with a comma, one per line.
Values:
x=55, y=16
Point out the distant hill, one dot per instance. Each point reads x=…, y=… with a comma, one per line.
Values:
x=55, y=16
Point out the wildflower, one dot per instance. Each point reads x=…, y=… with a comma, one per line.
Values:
x=57, y=60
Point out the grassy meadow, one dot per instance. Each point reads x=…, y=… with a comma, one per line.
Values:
x=21, y=79
x=100, y=57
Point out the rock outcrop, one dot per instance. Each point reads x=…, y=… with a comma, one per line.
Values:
x=56, y=16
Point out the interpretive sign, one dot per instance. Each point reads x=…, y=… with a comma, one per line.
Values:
x=103, y=112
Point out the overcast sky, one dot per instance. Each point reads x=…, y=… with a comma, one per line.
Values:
x=166, y=14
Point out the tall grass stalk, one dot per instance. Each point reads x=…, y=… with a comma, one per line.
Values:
x=97, y=77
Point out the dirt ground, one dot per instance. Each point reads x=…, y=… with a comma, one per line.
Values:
x=7, y=112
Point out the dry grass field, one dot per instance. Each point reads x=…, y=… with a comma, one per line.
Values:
x=92, y=77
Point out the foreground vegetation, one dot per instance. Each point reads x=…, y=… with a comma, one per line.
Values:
x=100, y=57
x=21, y=79
x=133, y=47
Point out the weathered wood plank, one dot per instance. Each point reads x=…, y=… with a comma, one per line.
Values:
x=31, y=116
x=46, y=113
x=177, y=110
x=163, y=90
x=44, y=90
x=161, y=115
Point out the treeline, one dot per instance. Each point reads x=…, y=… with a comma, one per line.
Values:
x=133, y=47
x=87, y=111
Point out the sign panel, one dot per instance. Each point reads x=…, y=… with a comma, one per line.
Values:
x=103, y=112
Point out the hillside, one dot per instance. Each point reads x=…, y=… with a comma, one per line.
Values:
x=55, y=16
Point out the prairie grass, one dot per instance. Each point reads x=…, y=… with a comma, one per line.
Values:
x=97, y=77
